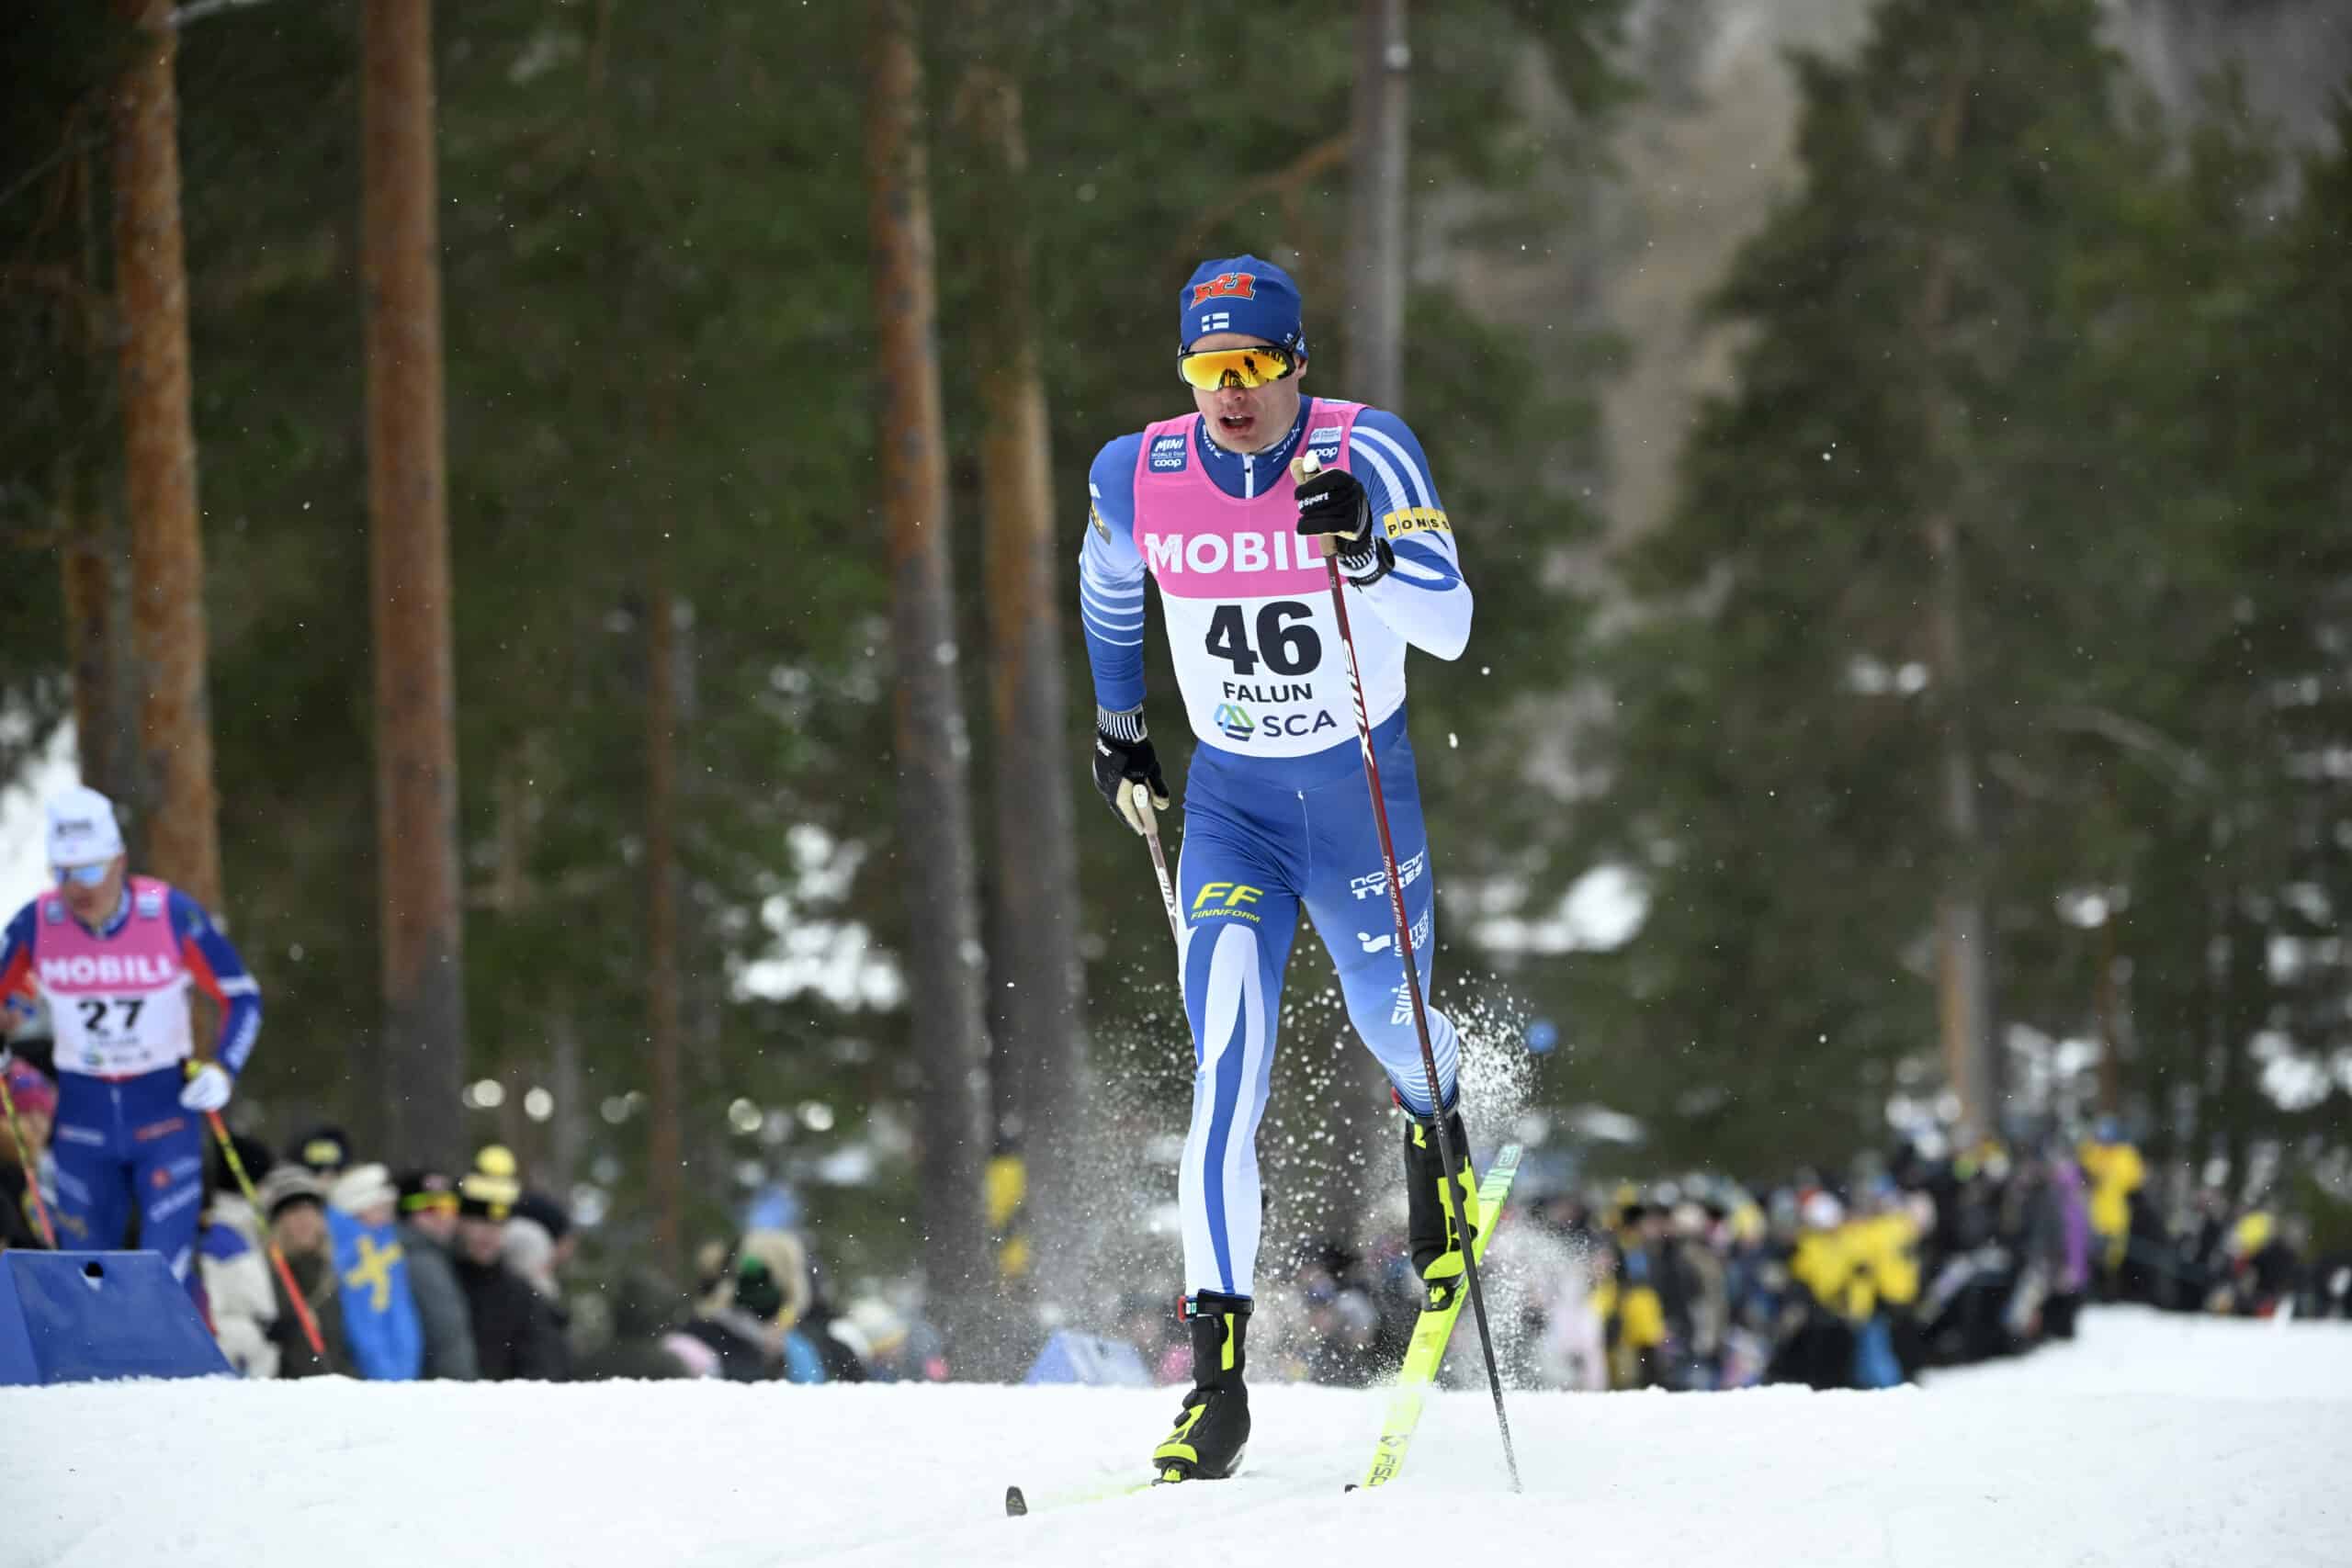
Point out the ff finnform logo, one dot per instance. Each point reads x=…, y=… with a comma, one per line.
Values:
x=1168, y=454
x=1234, y=720
x=1225, y=901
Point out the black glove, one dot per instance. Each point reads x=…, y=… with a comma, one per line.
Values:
x=1123, y=758
x=1333, y=502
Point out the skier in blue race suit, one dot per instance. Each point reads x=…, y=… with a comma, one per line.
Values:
x=1276, y=814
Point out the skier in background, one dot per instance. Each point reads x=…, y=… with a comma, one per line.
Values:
x=116, y=954
x=1275, y=808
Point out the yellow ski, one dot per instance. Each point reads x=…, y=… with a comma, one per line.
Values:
x=1433, y=1328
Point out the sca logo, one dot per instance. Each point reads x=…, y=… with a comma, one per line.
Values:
x=1234, y=720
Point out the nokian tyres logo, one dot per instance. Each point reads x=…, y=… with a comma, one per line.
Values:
x=1234, y=720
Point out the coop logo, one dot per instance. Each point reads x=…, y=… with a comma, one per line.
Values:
x=1225, y=901
x=112, y=969
x=1168, y=454
x=1225, y=286
x=1235, y=721
x=1375, y=883
x=1207, y=553
x=1324, y=442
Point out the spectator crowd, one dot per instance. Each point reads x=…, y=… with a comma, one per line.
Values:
x=339, y=1264
x=1866, y=1280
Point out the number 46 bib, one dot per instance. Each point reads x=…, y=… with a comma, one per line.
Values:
x=1248, y=601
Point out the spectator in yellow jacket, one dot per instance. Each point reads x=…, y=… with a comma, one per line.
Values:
x=2115, y=1171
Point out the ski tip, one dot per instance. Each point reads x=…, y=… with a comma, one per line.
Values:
x=1015, y=1505
x=1350, y=1486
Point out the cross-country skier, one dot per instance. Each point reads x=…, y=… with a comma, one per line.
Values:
x=116, y=954
x=1275, y=809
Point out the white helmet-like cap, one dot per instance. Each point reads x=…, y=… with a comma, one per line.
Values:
x=82, y=828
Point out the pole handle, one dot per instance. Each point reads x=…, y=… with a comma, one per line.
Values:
x=277, y=1260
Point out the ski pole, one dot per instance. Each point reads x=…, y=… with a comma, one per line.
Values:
x=1305, y=467
x=1160, y=864
x=285, y=1274
x=30, y=1160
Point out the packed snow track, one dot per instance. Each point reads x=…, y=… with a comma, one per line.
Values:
x=2148, y=1441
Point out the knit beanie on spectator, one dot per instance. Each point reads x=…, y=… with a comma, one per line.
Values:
x=362, y=1188
x=421, y=1190
x=769, y=1279
x=324, y=1149
x=544, y=1212
x=485, y=1195
x=290, y=1184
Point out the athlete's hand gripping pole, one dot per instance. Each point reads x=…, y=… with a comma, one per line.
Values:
x=1303, y=468
x=278, y=1258
x=24, y=1153
x=1160, y=864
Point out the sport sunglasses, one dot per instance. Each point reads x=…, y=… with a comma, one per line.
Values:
x=1258, y=364
x=83, y=875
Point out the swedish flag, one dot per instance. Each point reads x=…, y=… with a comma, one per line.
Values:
x=379, y=1321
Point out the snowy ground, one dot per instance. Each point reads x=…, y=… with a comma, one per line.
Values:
x=2150, y=1441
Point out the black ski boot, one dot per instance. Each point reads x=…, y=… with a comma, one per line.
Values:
x=1213, y=1428
x=1433, y=1204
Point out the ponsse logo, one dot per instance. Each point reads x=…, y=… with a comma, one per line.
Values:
x=1415, y=520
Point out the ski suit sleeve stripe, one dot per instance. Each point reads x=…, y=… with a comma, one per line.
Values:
x=214, y=965
x=1425, y=600
x=1110, y=578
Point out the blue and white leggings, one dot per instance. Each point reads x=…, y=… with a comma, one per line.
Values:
x=1260, y=838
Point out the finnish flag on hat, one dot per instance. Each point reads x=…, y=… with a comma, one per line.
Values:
x=82, y=828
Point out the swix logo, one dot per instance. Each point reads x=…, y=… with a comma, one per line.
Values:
x=1280, y=551
x=109, y=969
x=1227, y=285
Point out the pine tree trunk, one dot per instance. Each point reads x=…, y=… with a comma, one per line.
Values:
x=1375, y=341
x=96, y=636
x=1377, y=247
x=933, y=852
x=665, y=1125
x=1963, y=973
x=420, y=1058
x=1040, y=1043
x=180, y=827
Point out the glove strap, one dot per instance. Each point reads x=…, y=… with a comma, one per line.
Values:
x=1125, y=725
x=1366, y=567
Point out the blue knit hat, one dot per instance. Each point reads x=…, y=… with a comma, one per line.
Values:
x=1240, y=294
